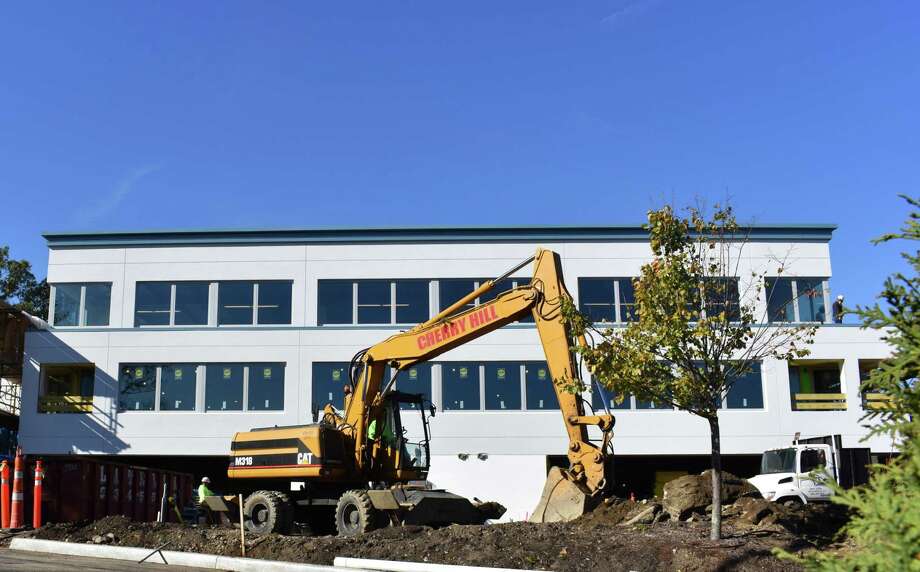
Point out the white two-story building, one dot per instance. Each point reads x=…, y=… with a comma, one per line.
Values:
x=161, y=345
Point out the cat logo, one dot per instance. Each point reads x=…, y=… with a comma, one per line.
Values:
x=304, y=458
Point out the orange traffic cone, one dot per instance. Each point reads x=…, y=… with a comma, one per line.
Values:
x=4, y=494
x=16, y=512
x=37, y=495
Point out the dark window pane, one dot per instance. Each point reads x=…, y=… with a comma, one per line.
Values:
x=628, y=310
x=811, y=300
x=192, y=303
x=67, y=304
x=600, y=395
x=779, y=300
x=503, y=385
x=97, y=302
x=151, y=303
x=235, y=303
x=453, y=289
x=177, y=387
x=460, y=386
x=416, y=379
x=747, y=391
x=651, y=405
x=411, y=301
x=137, y=388
x=500, y=287
x=335, y=302
x=539, y=386
x=518, y=282
x=374, y=302
x=721, y=295
x=329, y=380
x=266, y=387
x=596, y=299
x=274, y=303
x=223, y=389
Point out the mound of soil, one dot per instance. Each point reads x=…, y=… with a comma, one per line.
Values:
x=596, y=542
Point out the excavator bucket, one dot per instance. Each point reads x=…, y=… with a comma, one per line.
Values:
x=562, y=500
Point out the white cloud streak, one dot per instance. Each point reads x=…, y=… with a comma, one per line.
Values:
x=109, y=203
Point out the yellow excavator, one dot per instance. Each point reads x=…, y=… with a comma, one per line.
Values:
x=357, y=469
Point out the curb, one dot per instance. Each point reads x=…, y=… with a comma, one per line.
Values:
x=190, y=559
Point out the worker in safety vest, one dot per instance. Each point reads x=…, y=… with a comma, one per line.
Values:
x=204, y=491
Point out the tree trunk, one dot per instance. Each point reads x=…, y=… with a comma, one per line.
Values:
x=716, y=531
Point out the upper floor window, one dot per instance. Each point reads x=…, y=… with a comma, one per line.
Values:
x=816, y=385
x=610, y=300
x=171, y=304
x=81, y=304
x=720, y=295
x=372, y=301
x=451, y=290
x=253, y=303
x=66, y=388
x=796, y=299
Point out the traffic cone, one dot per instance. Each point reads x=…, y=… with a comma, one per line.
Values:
x=37, y=495
x=4, y=494
x=16, y=512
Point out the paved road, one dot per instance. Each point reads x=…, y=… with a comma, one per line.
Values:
x=21, y=561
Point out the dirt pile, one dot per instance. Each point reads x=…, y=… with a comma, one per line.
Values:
x=599, y=541
x=692, y=493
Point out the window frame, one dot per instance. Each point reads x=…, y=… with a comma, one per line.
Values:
x=392, y=306
x=619, y=312
x=81, y=307
x=173, y=289
x=255, y=303
x=795, y=301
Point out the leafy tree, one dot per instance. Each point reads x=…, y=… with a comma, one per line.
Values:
x=886, y=512
x=19, y=288
x=695, y=333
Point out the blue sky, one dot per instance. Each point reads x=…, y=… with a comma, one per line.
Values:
x=140, y=115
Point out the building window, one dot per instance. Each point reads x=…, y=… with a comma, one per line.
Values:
x=747, y=391
x=223, y=389
x=137, y=388
x=503, y=385
x=372, y=301
x=266, y=387
x=796, y=299
x=816, y=386
x=171, y=304
x=178, y=387
x=721, y=296
x=607, y=300
x=601, y=396
x=253, y=303
x=460, y=386
x=451, y=290
x=329, y=381
x=539, y=388
x=416, y=380
x=81, y=304
x=67, y=388
x=872, y=399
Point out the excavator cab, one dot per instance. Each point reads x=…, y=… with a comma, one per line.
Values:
x=393, y=446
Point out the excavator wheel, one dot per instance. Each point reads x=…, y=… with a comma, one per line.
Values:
x=355, y=514
x=562, y=500
x=268, y=511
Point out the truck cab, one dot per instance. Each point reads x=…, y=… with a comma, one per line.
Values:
x=804, y=471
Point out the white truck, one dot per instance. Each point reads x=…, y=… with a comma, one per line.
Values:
x=801, y=473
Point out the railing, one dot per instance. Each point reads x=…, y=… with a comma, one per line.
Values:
x=9, y=398
x=876, y=401
x=820, y=402
x=65, y=404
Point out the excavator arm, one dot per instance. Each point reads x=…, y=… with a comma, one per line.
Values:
x=586, y=475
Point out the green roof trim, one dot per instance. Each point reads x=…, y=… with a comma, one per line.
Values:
x=202, y=237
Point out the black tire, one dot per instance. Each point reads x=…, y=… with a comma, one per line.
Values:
x=354, y=514
x=268, y=511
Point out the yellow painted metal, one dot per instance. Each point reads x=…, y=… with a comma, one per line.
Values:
x=820, y=397
x=65, y=404
x=877, y=397
x=821, y=405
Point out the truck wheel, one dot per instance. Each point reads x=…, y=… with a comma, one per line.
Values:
x=267, y=511
x=354, y=513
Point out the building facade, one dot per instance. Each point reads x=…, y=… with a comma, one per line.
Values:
x=161, y=345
